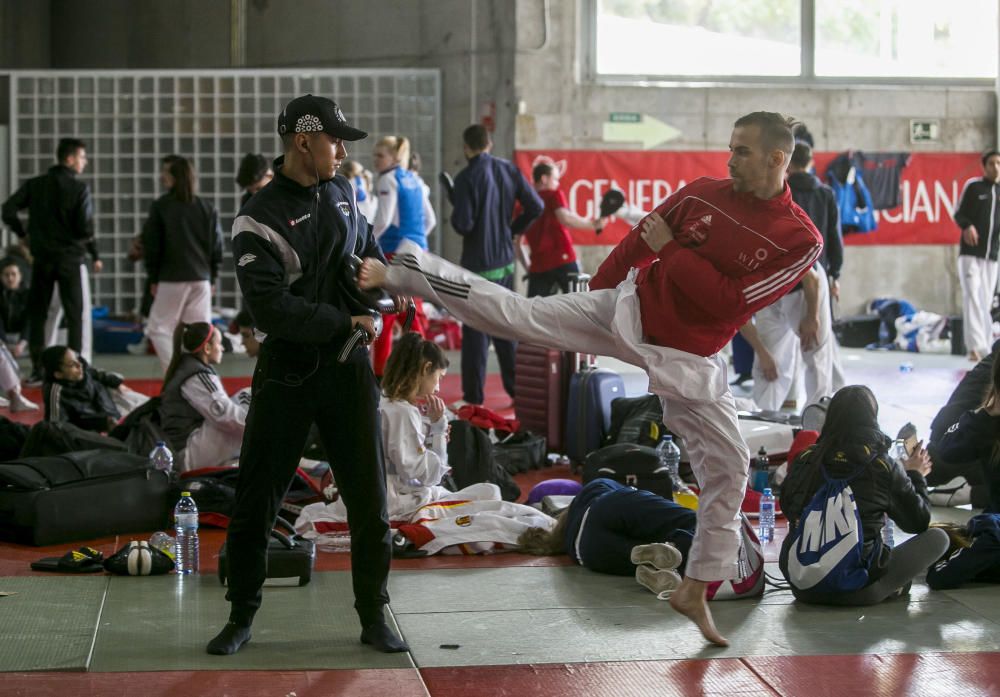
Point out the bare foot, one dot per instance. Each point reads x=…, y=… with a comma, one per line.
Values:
x=372, y=274
x=689, y=600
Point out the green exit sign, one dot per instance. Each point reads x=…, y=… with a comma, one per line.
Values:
x=625, y=117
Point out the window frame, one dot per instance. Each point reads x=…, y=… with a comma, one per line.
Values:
x=806, y=78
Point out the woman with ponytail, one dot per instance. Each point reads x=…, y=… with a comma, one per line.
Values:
x=404, y=213
x=203, y=425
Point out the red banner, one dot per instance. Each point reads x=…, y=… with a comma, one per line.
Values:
x=930, y=188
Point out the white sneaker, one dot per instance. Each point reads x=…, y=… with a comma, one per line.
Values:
x=662, y=555
x=19, y=403
x=140, y=348
x=4, y=402
x=662, y=582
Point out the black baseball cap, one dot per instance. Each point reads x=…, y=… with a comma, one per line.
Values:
x=309, y=114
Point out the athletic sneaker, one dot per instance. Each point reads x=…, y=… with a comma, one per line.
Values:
x=19, y=403
x=661, y=555
x=4, y=402
x=662, y=582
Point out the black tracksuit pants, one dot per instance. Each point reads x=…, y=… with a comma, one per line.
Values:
x=45, y=273
x=294, y=387
x=475, y=353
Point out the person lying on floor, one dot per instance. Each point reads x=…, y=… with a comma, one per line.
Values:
x=203, y=425
x=415, y=433
x=852, y=447
x=973, y=555
x=615, y=529
x=76, y=392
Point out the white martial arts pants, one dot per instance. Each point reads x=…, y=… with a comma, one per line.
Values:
x=778, y=328
x=697, y=403
x=10, y=371
x=55, y=316
x=978, y=278
x=188, y=301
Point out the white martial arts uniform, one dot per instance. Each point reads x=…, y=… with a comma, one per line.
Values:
x=697, y=403
x=218, y=439
x=978, y=278
x=10, y=371
x=778, y=328
x=416, y=461
x=175, y=302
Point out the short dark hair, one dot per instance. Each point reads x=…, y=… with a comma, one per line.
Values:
x=542, y=169
x=988, y=154
x=802, y=155
x=11, y=261
x=476, y=137
x=244, y=319
x=775, y=129
x=252, y=169
x=67, y=147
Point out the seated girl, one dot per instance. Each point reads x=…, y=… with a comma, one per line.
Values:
x=203, y=425
x=13, y=335
x=615, y=529
x=975, y=437
x=82, y=395
x=415, y=446
x=973, y=555
x=851, y=446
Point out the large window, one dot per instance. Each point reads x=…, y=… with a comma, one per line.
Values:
x=878, y=40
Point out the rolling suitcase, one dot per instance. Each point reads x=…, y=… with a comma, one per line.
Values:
x=588, y=401
x=541, y=380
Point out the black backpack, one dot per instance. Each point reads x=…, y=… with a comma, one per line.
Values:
x=470, y=454
x=141, y=430
x=636, y=420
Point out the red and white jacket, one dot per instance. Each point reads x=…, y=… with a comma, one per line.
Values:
x=732, y=254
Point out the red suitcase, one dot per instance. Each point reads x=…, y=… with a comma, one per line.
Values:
x=541, y=381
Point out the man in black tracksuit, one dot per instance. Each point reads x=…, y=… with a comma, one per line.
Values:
x=978, y=217
x=60, y=233
x=290, y=243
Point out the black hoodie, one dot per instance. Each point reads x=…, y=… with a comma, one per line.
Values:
x=819, y=203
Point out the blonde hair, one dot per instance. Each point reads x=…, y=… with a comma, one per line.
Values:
x=399, y=146
x=545, y=543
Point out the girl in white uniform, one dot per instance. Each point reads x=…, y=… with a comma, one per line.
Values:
x=204, y=425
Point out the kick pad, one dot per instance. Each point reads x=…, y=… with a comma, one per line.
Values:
x=164, y=622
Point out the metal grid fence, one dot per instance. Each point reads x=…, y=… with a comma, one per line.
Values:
x=130, y=120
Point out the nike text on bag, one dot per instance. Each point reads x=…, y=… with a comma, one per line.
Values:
x=827, y=550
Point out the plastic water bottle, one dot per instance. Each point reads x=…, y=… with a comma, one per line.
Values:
x=888, y=530
x=906, y=367
x=163, y=542
x=670, y=456
x=161, y=458
x=186, y=527
x=883, y=334
x=761, y=471
x=766, y=521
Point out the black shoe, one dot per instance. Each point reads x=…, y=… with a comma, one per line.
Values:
x=741, y=378
x=35, y=380
x=402, y=548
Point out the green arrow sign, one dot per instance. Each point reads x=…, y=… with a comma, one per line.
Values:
x=623, y=127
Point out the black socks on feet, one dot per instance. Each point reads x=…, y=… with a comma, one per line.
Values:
x=383, y=639
x=229, y=640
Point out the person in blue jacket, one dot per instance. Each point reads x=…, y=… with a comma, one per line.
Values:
x=485, y=194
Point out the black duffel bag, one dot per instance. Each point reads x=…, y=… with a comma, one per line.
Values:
x=81, y=495
x=520, y=452
x=632, y=465
x=289, y=556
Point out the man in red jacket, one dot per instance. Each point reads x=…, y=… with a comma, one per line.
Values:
x=667, y=299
